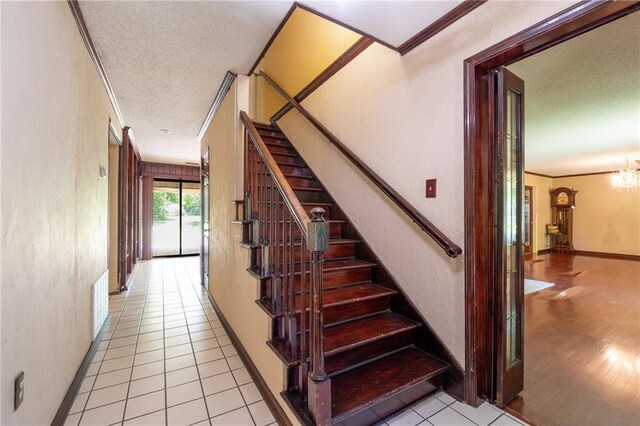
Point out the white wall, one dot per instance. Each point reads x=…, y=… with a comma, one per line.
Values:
x=55, y=116
x=403, y=115
x=541, y=209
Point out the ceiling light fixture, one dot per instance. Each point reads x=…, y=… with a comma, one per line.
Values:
x=165, y=131
x=627, y=178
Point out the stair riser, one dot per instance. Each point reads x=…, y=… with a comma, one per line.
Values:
x=279, y=149
x=338, y=278
x=288, y=160
x=312, y=196
x=335, y=230
x=273, y=139
x=380, y=411
x=298, y=171
x=302, y=182
x=335, y=251
x=369, y=351
x=347, y=311
x=328, y=210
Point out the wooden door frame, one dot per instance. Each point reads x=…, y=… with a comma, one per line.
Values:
x=202, y=203
x=478, y=152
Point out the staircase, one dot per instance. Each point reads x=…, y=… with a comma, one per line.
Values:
x=375, y=354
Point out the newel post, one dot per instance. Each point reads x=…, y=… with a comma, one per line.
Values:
x=319, y=384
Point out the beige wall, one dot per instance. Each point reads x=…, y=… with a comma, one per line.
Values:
x=404, y=116
x=233, y=289
x=604, y=220
x=541, y=209
x=114, y=166
x=305, y=46
x=55, y=114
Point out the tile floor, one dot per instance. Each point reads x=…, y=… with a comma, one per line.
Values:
x=165, y=359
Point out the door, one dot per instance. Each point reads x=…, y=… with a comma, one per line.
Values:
x=204, y=257
x=509, y=235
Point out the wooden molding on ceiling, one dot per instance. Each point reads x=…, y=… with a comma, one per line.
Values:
x=350, y=54
x=452, y=16
x=88, y=42
x=572, y=175
x=222, y=92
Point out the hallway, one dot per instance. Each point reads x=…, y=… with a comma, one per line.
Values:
x=164, y=358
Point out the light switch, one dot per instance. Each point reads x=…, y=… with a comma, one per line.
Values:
x=431, y=188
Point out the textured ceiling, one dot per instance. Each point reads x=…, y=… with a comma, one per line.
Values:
x=166, y=60
x=582, y=101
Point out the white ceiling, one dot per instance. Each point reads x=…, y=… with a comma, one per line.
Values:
x=166, y=60
x=582, y=102
x=393, y=22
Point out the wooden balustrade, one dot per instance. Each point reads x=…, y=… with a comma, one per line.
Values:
x=280, y=226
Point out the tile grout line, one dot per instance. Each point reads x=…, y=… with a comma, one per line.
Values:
x=133, y=361
x=206, y=406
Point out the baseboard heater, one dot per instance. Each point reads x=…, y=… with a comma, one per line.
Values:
x=100, y=302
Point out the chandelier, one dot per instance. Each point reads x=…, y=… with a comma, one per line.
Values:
x=627, y=178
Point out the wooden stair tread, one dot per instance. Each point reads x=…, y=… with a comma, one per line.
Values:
x=358, y=332
x=371, y=383
x=336, y=296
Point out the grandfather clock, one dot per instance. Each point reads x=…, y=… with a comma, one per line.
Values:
x=563, y=201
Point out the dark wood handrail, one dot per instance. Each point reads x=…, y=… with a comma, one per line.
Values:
x=423, y=223
x=300, y=216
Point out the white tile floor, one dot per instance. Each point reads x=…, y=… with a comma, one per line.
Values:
x=165, y=359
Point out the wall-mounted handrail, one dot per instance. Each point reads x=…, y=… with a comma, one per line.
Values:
x=423, y=223
x=289, y=198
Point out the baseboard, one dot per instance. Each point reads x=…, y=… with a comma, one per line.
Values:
x=269, y=398
x=608, y=255
x=67, y=401
x=544, y=251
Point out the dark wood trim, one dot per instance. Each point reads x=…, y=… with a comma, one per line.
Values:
x=585, y=174
x=450, y=248
x=605, y=255
x=217, y=101
x=574, y=175
x=277, y=411
x=147, y=217
x=67, y=401
x=273, y=37
x=569, y=23
x=537, y=174
x=170, y=171
x=349, y=55
x=544, y=251
x=74, y=5
x=347, y=26
x=442, y=23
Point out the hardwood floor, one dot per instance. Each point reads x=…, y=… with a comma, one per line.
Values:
x=582, y=342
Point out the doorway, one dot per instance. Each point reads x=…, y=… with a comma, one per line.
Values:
x=176, y=218
x=494, y=260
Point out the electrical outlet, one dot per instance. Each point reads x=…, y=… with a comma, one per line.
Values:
x=18, y=391
x=431, y=188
